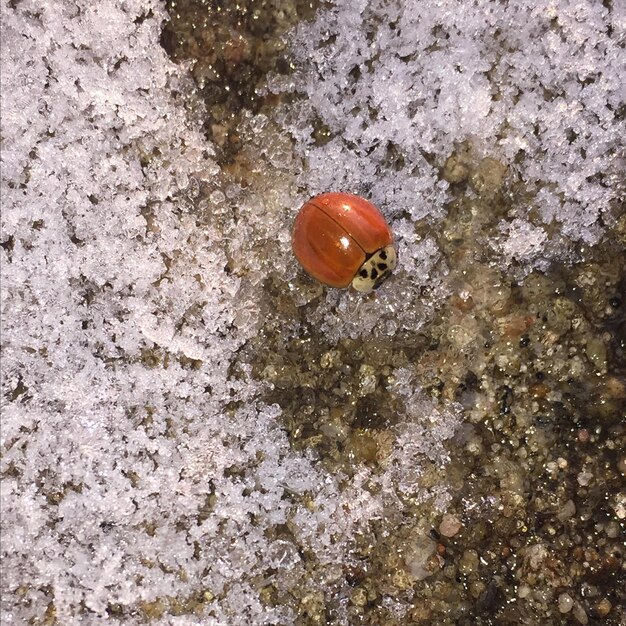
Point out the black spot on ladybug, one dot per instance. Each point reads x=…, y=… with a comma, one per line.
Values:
x=382, y=266
x=363, y=273
x=374, y=274
x=383, y=255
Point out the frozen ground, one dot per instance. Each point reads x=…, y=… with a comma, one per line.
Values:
x=174, y=388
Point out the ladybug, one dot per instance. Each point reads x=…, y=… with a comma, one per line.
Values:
x=341, y=239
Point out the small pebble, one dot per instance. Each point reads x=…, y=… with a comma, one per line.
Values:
x=603, y=608
x=565, y=603
x=468, y=562
x=612, y=530
x=450, y=525
x=596, y=353
x=579, y=614
x=359, y=597
x=568, y=511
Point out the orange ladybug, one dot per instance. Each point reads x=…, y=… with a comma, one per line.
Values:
x=341, y=240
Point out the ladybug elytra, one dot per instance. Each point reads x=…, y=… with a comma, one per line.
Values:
x=341, y=240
